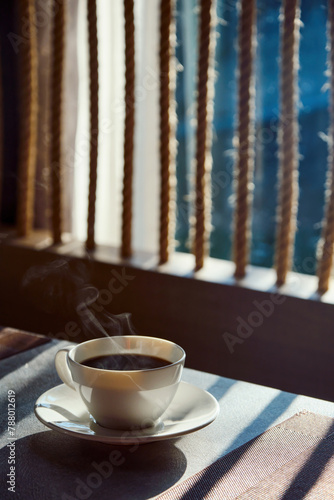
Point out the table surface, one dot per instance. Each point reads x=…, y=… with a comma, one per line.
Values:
x=51, y=465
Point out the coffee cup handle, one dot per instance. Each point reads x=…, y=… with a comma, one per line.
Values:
x=62, y=367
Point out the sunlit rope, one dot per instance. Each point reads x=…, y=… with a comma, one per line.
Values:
x=1, y=129
x=245, y=137
x=326, y=258
x=203, y=135
x=126, y=249
x=167, y=130
x=28, y=121
x=288, y=139
x=57, y=71
x=94, y=119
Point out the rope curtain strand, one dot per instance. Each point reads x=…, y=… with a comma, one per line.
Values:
x=57, y=73
x=288, y=139
x=167, y=159
x=326, y=257
x=126, y=248
x=94, y=119
x=245, y=136
x=28, y=121
x=1, y=131
x=203, y=139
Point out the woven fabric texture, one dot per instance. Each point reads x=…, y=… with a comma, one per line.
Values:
x=291, y=461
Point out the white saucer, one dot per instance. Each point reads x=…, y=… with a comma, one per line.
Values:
x=61, y=409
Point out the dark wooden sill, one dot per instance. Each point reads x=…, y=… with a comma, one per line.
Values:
x=244, y=330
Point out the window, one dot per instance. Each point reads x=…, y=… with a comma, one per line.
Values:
x=313, y=123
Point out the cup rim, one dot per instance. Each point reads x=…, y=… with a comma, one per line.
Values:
x=103, y=370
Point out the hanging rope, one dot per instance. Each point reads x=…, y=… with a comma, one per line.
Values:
x=129, y=123
x=94, y=119
x=167, y=151
x=1, y=131
x=57, y=71
x=28, y=121
x=203, y=136
x=326, y=259
x=245, y=153
x=288, y=140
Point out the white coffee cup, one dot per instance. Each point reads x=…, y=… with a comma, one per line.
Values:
x=118, y=399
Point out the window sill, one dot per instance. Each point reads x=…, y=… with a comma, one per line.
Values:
x=181, y=265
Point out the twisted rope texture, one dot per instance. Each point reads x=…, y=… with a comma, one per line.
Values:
x=203, y=144
x=166, y=7
x=1, y=129
x=245, y=158
x=326, y=259
x=57, y=71
x=129, y=123
x=94, y=119
x=288, y=140
x=28, y=121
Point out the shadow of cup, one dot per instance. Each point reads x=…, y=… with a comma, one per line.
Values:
x=50, y=465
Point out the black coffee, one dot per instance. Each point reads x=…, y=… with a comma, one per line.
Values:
x=125, y=362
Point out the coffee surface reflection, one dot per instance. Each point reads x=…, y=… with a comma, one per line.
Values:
x=125, y=362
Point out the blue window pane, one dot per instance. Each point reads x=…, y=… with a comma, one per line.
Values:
x=313, y=122
x=223, y=154
x=264, y=210
x=186, y=54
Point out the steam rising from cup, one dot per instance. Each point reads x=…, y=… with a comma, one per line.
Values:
x=62, y=287
x=106, y=324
